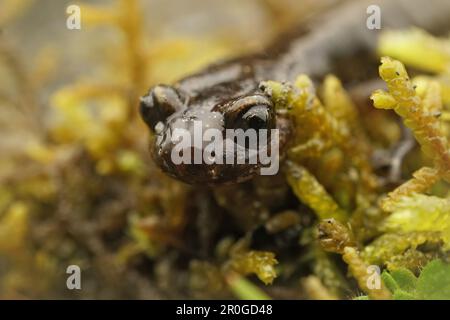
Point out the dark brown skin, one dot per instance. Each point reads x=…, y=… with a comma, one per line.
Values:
x=227, y=95
x=222, y=97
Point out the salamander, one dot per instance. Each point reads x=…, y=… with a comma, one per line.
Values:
x=228, y=95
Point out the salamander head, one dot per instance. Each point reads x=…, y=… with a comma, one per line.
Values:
x=209, y=139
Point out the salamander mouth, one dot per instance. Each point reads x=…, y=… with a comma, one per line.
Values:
x=204, y=171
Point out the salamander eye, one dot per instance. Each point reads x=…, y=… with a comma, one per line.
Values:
x=252, y=112
x=160, y=102
x=257, y=117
